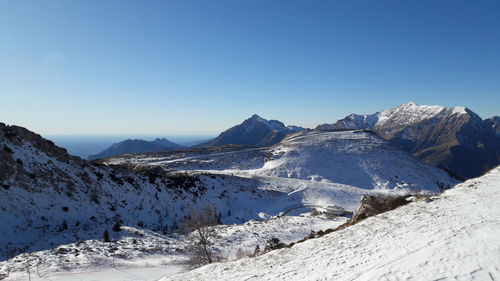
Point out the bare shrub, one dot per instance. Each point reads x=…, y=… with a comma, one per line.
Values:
x=240, y=253
x=200, y=228
x=315, y=212
x=372, y=205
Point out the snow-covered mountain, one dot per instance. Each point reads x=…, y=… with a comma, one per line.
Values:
x=311, y=159
x=455, y=139
x=136, y=146
x=254, y=131
x=454, y=236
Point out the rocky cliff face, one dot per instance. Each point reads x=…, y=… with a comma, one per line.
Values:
x=494, y=124
x=455, y=139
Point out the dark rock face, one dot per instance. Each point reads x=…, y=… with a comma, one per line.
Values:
x=254, y=131
x=136, y=146
x=166, y=143
x=494, y=124
x=454, y=139
x=372, y=205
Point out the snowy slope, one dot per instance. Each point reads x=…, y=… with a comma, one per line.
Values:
x=350, y=157
x=353, y=158
x=49, y=198
x=142, y=255
x=455, y=236
x=55, y=207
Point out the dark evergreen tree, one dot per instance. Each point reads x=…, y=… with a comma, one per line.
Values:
x=105, y=236
x=273, y=244
x=117, y=226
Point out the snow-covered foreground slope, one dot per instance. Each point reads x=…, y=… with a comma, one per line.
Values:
x=455, y=237
x=136, y=254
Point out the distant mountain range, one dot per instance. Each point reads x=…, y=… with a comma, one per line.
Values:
x=137, y=146
x=254, y=131
x=454, y=139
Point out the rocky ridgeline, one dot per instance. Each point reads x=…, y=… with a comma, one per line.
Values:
x=454, y=139
x=45, y=191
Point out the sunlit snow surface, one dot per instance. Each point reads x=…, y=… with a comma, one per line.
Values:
x=318, y=169
x=353, y=158
x=95, y=260
x=453, y=237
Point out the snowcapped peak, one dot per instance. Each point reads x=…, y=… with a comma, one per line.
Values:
x=426, y=111
x=459, y=110
x=415, y=107
x=410, y=112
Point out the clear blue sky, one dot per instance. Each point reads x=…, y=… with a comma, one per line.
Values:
x=198, y=67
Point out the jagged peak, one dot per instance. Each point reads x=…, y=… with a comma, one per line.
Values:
x=257, y=118
x=431, y=108
x=459, y=110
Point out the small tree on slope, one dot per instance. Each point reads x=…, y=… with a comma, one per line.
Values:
x=199, y=226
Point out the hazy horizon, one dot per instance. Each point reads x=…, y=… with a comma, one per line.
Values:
x=199, y=67
x=85, y=145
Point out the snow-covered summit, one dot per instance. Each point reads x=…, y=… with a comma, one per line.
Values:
x=398, y=117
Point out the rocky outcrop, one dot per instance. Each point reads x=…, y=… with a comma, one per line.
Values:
x=494, y=124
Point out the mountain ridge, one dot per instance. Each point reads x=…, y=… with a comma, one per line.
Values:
x=136, y=146
x=455, y=139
